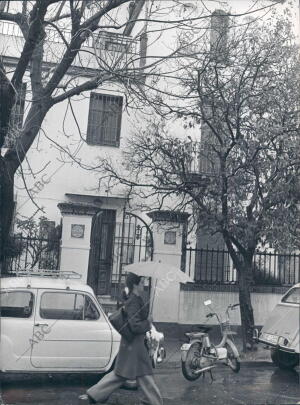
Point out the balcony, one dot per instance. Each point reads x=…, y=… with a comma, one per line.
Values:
x=107, y=48
x=199, y=168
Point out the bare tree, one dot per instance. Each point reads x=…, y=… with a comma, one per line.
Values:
x=60, y=33
x=241, y=179
x=66, y=34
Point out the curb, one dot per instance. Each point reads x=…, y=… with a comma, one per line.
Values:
x=247, y=362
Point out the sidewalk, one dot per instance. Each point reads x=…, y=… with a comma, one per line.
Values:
x=173, y=358
x=168, y=370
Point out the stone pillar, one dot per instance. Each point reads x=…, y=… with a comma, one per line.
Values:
x=76, y=234
x=169, y=234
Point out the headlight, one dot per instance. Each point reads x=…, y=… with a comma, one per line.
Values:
x=282, y=341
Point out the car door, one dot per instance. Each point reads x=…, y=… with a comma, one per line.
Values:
x=17, y=318
x=70, y=332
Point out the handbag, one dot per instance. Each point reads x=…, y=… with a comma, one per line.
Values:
x=120, y=322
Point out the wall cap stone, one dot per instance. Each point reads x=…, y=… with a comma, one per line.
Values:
x=234, y=288
x=168, y=216
x=78, y=208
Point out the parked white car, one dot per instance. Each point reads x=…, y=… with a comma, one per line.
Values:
x=280, y=333
x=54, y=325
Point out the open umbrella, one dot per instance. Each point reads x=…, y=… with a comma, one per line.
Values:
x=162, y=273
x=159, y=271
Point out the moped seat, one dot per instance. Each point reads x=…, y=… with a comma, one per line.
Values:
x=204, y=329
x=230, y=333
x=195, y=335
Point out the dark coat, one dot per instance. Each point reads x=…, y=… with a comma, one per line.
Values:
x=133, y=359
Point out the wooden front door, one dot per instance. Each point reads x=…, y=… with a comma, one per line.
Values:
x=101, y=251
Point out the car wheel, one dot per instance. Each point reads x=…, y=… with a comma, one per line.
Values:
x=284, y=360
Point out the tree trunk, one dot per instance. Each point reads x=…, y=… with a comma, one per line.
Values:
x=7, y=97
x=6, y=205
x=247, y=317
x=242, y=261
x=10, y=163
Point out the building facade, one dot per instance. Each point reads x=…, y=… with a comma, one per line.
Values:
x=61, y=178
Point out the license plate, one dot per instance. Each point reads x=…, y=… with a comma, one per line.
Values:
x=271, y=338
x=185, y=346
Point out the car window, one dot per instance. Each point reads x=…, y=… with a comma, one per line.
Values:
x=90, y=310
x=62, y=305
x=293, y=297
x=68, y=306
x=16, y=304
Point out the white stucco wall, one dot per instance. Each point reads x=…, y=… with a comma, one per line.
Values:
x=166, y=299
x=193, y=311
x=75, y=251
x=62, y=175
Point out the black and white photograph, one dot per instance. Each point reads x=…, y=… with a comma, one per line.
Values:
x=149, y=202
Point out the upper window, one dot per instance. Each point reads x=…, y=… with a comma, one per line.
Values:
x=16, y=304
x=104, y=123
x=293, y=297
x=115, y=46
x=68, y=306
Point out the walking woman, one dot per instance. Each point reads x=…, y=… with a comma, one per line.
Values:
x=133, y=361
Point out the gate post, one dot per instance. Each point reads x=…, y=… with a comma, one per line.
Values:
x=76, y=235
x=169, y=239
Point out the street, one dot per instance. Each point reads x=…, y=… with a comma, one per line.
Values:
x=256, y=383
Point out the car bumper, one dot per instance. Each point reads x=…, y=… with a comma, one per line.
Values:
x=272, y=345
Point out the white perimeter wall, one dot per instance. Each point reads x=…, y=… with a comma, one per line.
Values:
x=193, y=311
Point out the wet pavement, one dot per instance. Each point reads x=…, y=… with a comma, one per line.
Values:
x=256, y=383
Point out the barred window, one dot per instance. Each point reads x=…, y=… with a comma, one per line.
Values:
x=16, y=117
x=104, y=123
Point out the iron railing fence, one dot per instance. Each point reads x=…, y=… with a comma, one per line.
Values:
x=30, y=253
x=214, y=266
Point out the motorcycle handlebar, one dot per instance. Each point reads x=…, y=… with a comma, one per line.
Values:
x=234, y=305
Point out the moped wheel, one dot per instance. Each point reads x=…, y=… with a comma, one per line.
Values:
x=232, y=361
x=192, y=362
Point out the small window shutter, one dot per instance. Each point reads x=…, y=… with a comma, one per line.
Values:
x=104, y=124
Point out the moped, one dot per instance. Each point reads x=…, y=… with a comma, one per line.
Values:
x=200, y=355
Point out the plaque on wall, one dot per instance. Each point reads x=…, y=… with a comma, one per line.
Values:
x=77, y=231
x=170, y=238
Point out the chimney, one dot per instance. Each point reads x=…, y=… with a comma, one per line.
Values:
x=143, y=49
x=219, y=33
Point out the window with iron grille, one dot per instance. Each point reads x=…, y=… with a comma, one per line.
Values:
x=16, y=117
x=104, y=123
